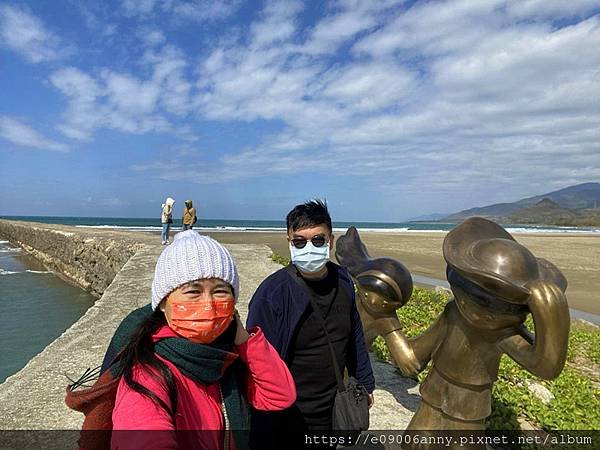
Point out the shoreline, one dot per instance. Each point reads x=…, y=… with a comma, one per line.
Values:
x=336, y=230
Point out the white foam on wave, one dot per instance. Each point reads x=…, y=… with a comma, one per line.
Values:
x=390, y=230
x=10, y=250
x=122, y=227
x=561, y=230
x=10, y=272
x=225, y=228
x=228, y=228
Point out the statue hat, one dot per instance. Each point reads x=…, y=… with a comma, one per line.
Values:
x=378, y=274
x=486, y=254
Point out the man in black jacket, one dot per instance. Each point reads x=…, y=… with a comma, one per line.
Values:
x=282, y=308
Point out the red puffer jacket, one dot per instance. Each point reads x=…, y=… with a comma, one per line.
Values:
x=269, y=387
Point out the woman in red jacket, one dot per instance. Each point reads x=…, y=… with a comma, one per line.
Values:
x=190, y=368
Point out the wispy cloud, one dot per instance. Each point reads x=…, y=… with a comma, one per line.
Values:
x=23, y=135
x=126, y=102
x=25, y=34
x=195, y=10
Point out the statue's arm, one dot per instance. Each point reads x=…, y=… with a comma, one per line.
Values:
x=546, y=353
x=412, y=355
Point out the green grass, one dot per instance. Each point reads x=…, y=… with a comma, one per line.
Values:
x=576, y=404
x=280, y=259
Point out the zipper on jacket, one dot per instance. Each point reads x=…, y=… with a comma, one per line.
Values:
x=225, y=421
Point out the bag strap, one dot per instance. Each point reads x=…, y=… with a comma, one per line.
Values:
x=293, y=273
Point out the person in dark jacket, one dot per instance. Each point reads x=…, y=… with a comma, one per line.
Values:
x=282, y=308
x=188, y=218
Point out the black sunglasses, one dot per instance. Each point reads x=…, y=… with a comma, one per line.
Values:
x=318, y=241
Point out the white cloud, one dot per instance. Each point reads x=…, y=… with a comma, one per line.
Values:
x=347, y=20
x=126, y=102
x=83, y=114
x=130, y=95
x=24, y=33
x=277, y=23
x=151, y=37
x=550, y=8
x=184, y=10
x=371, y=86
x=205, y=10
x=21, y=134
x=139, y=7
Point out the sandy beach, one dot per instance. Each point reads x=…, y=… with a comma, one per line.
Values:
x=577, y=255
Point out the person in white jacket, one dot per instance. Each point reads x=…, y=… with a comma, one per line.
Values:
x=166, y=219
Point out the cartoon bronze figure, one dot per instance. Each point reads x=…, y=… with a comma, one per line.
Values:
x=383, y=285
x=496, y=282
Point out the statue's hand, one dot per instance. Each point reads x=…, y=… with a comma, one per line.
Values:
x=546, y=356
x=546, y=299
x=403, y=353
x=351, y=252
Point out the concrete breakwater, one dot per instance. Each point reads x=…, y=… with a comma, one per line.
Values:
x=33, y=398
x=90, y=261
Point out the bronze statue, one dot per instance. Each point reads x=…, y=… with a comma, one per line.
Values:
x=496, y=282
x=383, y=285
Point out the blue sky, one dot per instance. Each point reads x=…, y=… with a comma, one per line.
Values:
x=388, y=109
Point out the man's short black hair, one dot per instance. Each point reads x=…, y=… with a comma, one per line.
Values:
x=309, y=214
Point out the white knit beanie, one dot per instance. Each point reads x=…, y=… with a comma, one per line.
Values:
x=190, y=257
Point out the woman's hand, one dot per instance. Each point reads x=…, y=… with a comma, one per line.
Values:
x=241, y=335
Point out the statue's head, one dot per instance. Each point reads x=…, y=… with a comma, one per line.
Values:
x=385, y=284
x=490, y=273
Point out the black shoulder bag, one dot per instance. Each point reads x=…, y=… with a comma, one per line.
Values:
x=351, y=405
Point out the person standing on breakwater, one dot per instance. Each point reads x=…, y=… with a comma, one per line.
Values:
x=282, y=308
x=166, y=219
x=189, y=216
x=189, y=365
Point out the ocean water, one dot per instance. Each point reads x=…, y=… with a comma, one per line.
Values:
x=144, y=224
x=37, y=307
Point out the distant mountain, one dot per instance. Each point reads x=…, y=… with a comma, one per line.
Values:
x=544, y=211
x=576, y=205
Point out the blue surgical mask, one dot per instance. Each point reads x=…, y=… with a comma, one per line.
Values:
x=310, y=259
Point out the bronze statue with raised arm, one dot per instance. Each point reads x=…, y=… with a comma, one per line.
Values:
x=496, y=282
x=383, y=285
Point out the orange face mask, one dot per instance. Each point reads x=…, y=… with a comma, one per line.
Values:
x=202, y=322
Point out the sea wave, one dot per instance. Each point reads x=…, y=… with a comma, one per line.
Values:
x=10, y=272
x=560, y=230
x=122, y=227
x=229, y=228
x=10, y=250
x=391, y=230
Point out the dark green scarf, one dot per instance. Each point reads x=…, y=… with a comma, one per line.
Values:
x=206, y=364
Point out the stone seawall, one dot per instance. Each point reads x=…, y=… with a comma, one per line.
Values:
x=90, y=261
